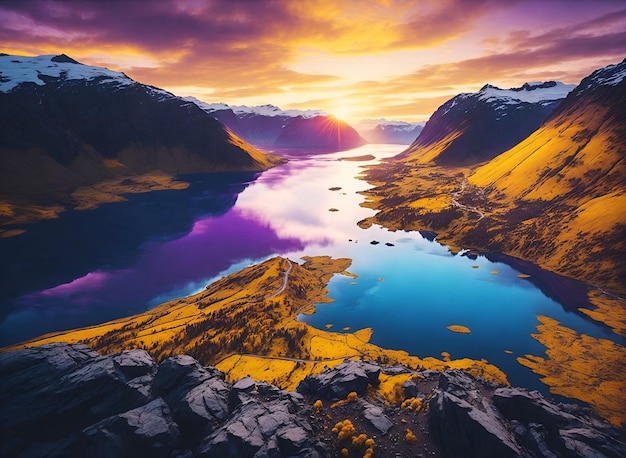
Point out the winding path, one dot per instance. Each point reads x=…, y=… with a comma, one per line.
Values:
x=285, y=279
x=456, y=203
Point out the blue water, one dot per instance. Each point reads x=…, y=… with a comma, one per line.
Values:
x=89, y=267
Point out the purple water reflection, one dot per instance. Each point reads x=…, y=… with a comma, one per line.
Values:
x=213, y=245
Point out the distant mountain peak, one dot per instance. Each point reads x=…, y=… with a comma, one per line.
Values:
x=260, y=110
x=16, y=70
x=64, y=58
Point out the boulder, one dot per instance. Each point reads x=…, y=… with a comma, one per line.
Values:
x=263, y=429
x=338, y=381
x=145, y=431
x=557, y=429
x=472, y=418
x=465, y=430
x=410, y=389
x=375, y=416
x=59, y=389
x=197, y=396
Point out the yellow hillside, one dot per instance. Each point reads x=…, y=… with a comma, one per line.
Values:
x=570, y=154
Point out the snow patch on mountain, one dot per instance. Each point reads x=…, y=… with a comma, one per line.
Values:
x=260, y=110
x=611, y=75
x=535, y=92
x=16, y=70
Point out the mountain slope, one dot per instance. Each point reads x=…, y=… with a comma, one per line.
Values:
x=557, y=199
x=475, y=127
x=268, y=125
x=65, y=125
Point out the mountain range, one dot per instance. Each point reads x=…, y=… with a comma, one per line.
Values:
x=269, y=126
x=537, y=172
x=65, y=125
x=383, y=131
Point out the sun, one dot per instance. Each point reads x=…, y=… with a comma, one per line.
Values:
x=342, y=112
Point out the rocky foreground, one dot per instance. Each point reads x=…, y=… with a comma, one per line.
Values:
x=66, y=400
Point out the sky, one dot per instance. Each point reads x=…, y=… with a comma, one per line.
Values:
x=356, y=59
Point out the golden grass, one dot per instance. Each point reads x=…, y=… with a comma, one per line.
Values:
x=581, y=367
x=610, y=311
x=5, y=234
x=459, y=328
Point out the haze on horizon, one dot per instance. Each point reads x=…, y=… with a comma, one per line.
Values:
x=356, y=59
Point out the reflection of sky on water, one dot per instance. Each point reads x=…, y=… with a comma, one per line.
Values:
x=212, y=245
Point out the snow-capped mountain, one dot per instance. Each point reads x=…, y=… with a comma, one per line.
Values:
x=64, y=124
x=16, y=70
x=259, y=110
x=268, y=125
x=475, y=127
x=383, y=131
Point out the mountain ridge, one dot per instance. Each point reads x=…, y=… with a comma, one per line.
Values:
x=269, y=126
x=474, y=127
x=383, y=131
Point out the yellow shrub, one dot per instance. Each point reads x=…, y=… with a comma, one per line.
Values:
x=359, y=440
x=410, y=437
x=344, y=429
x=317, y=405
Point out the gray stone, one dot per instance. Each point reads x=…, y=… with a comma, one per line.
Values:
x=145, y=431
x=410, y=389
x=466, y=431
x=262, y=429
x=134, y=363
x=530, y=407
x=375, y=416
x=197, y=396
x=66, y=388
x=338, y=381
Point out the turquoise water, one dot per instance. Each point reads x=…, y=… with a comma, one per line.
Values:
x=90, y=267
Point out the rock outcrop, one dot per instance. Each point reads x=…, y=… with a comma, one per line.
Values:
x=65, y=400
x=471, y=418
x=337, y=382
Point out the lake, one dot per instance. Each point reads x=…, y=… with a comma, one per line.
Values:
x=87, y=267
